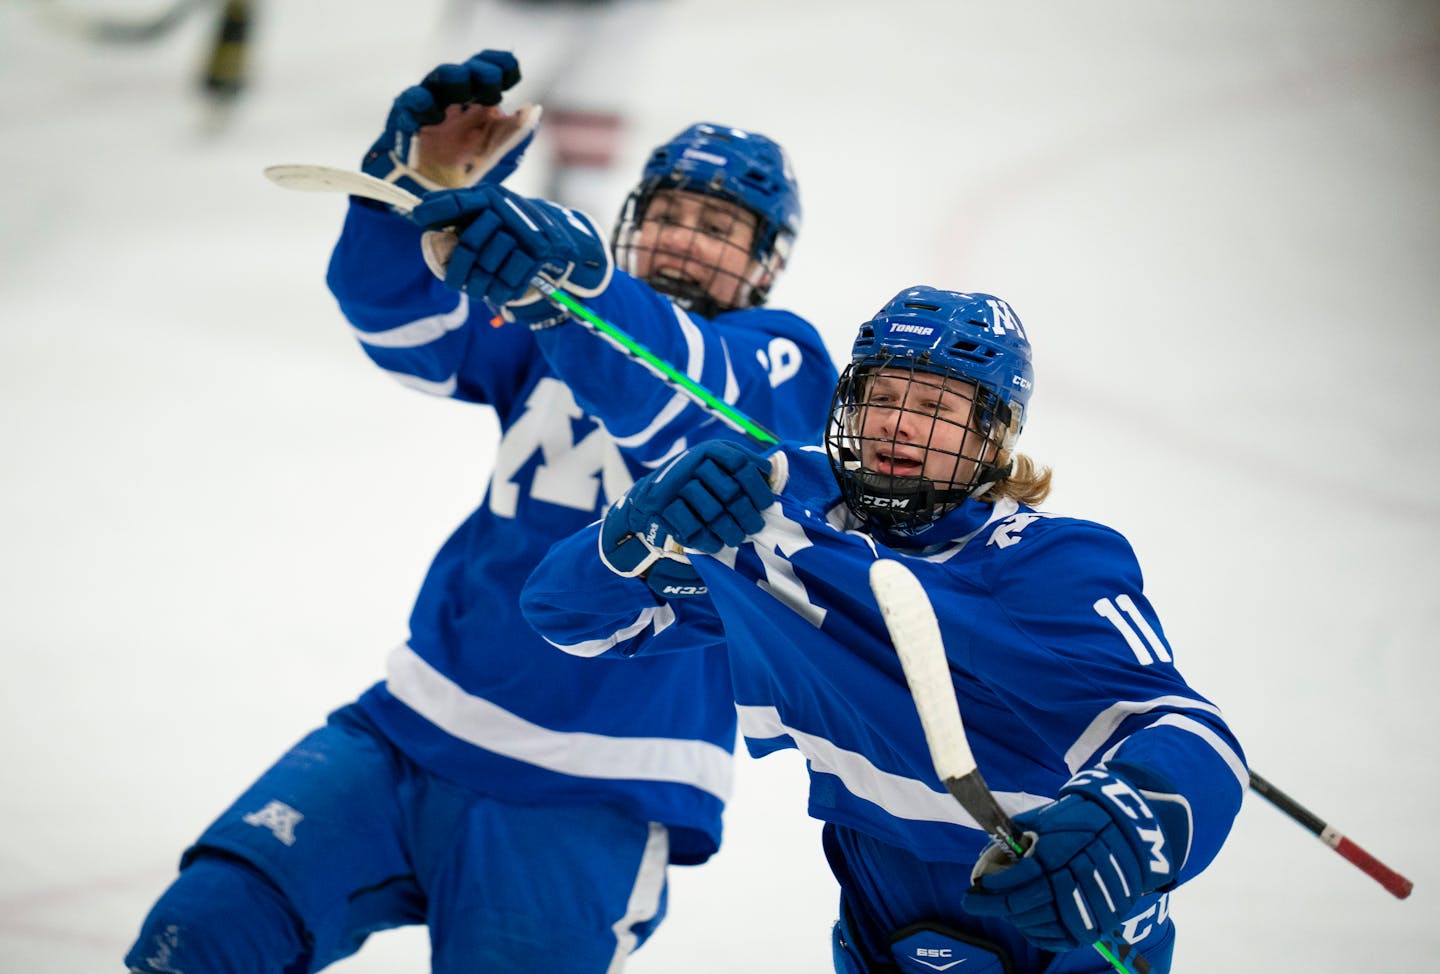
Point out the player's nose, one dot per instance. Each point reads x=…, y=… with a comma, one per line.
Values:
x=677, y=237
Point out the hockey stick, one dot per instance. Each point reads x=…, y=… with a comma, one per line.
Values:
x=915, y=633
x=1396, y=884
x=114, y=30
x=330, y=179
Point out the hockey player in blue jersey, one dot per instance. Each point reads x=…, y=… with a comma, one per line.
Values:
x=522, y=803
x=1077, y=716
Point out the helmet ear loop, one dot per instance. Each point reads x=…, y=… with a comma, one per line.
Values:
x=755, y=287
x=625, y=249
x=761, y=274
x=998, y=471
x=625, y=235
x=842, y=433
x=849, y=438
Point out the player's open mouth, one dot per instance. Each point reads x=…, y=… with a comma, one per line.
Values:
x=676, y=275
x=894, y=465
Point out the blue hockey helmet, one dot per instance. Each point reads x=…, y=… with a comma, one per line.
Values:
x=965, y=344
x=730, y=164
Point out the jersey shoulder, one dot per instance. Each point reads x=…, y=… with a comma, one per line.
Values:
x=785, y=342
x=803, y=474
x=767, y=321
x=1042, y=544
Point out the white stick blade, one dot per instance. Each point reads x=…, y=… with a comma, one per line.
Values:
x=329, y=179
x=915, y=632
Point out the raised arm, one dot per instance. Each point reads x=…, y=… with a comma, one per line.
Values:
x=447, y=131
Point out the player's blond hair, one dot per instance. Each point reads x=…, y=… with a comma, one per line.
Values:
x=1027, y=483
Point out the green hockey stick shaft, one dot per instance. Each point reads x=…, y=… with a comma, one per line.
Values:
x=666, y=372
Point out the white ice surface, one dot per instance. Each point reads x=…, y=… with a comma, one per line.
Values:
x=1220, y=222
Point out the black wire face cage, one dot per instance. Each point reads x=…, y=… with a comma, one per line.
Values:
x=700, y=249
x=907, y=444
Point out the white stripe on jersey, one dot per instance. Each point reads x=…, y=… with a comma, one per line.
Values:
x=1100, y=729
x=444, y=388
x=477, y=721
x=1226, y=752
x=661, y=616
x=902, y=797
x=421, y=331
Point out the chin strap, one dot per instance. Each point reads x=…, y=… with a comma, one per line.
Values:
x=899, y=503
x=990, y=476
x=691, y=297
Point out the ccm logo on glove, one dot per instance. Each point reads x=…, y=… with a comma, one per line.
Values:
x=1096, y=851
x=1130, y=804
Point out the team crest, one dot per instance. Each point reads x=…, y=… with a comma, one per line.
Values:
x=279, y=818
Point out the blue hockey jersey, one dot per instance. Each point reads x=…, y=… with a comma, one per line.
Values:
x=474, y=694
x=1058, y=660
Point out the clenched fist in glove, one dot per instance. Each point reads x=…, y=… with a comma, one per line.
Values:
x=1096, y=850
x=708, y=498
x=490, y=243
x=449, y=131
x=662, y=564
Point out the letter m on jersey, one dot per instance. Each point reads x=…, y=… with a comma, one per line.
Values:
x=570, y=474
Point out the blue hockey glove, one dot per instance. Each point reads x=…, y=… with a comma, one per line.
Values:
x=449, y=131
x=656, y=559
x=497, y=241
x=1096, y=850
x=708, y=498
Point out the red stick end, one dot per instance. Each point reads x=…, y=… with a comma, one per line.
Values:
x=1398, y=885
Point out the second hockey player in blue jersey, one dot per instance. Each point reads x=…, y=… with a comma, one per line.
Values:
x=523, y=804
x=1076, y=712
